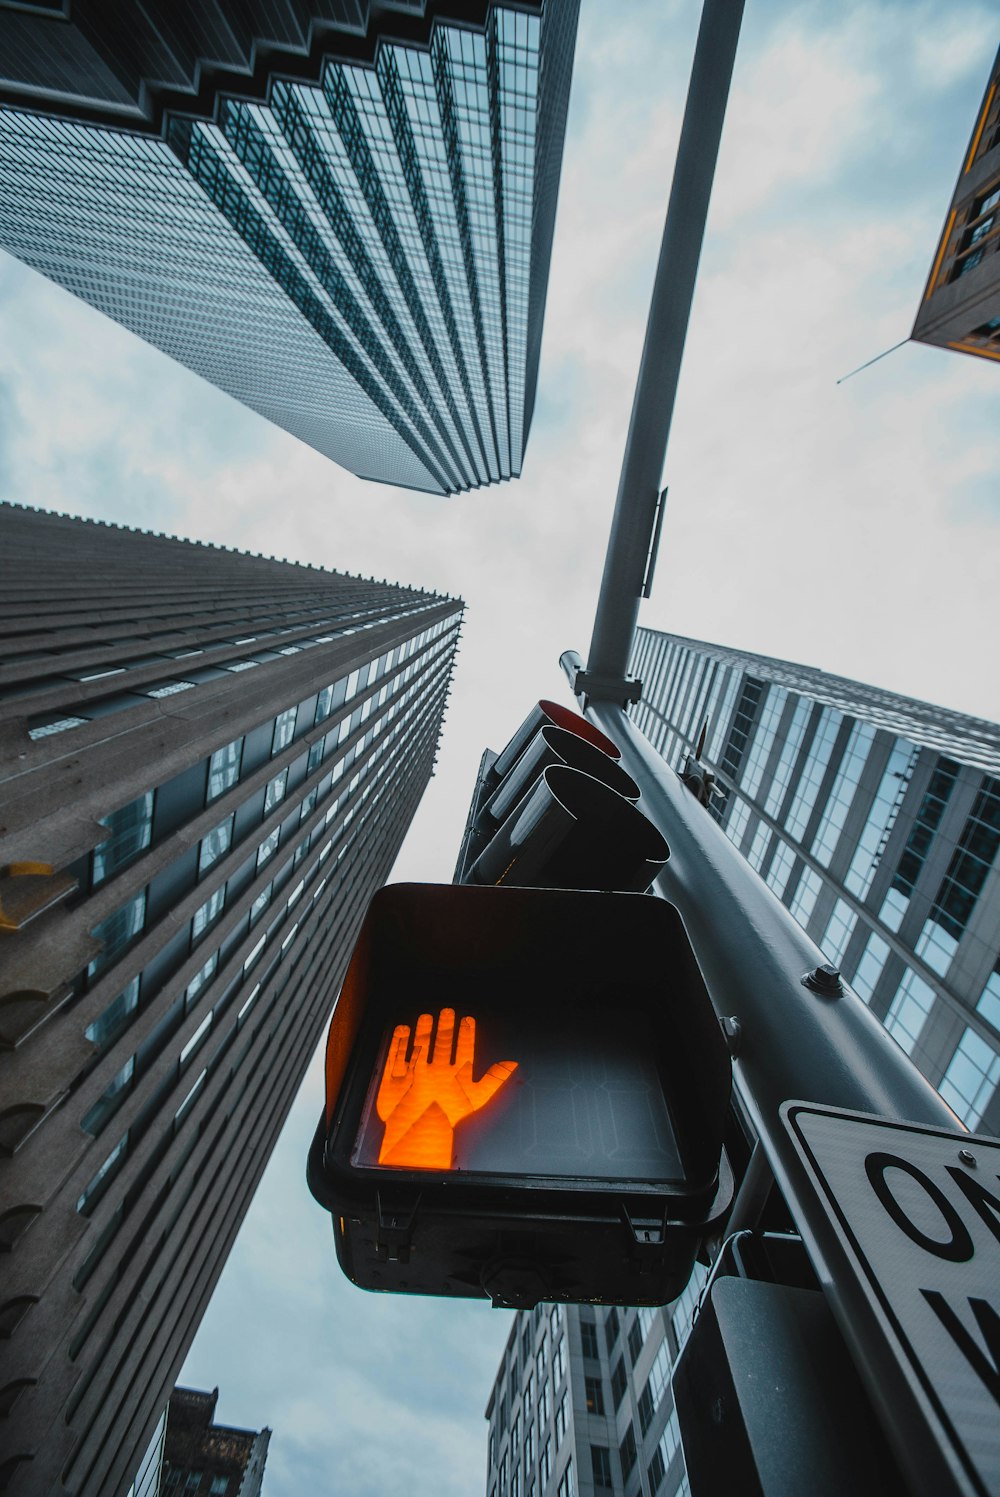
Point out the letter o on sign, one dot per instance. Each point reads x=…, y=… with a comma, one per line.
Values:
x=958, y=1246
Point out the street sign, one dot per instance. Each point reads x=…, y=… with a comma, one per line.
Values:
x=904, y=1231
x=526, y=1097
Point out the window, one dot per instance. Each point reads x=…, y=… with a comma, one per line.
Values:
x=627, y=1452
x=215, y=844
x=219, y=1487
x=909, y=1009
x=201, y=977
x=275, y=792
x=529, y=1443
x=588, y=1338
x=881, y=818
x=561, y=1420
x=554, y=1320
x=224, y=769
x=611, y=1327
x=567, y=1486
x=526, y=1347
x=284, y=730
x=634, y=1341
x=655, y=1471
x=838, y=932
x=600, y=1462
x=594, y=1395
x=869, y=969
x=267, y=847
x=540, y=1360
x=558, y=1367
x=515, y=1482
x=117, y=932
x=543, y=1404
x=209, y=912
x=108, y=1026
x=129, y=831
x=618, y=1381
x=971, y=1078
x=545, y=1463
x=646, y=1410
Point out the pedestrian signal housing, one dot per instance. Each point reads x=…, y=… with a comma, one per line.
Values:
x=525, y=1098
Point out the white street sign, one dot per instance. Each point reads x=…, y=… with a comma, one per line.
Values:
x=906, y=1237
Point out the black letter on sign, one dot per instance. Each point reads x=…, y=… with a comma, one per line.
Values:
x=988, y=1322
x=958, y=1249
x=980, y=1197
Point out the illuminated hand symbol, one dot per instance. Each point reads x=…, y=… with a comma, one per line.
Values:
x=423, y=1099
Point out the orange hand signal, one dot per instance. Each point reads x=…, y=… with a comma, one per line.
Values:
x=422, y=1100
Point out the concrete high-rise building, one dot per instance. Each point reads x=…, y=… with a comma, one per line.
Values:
x=208, y=761
x=205, y=1459
x=341, y=215
x=961, y=302
x=876, y=820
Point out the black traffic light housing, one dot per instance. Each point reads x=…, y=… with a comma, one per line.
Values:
x=587, y=1163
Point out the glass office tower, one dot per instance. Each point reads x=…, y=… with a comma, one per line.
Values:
x=582, y=1406
x=208, y=762
x=352, y=238
x=876, y=820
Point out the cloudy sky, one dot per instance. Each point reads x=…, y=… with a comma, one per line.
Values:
x=852, y=527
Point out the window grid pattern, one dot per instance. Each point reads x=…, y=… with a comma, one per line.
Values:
x=881, y=816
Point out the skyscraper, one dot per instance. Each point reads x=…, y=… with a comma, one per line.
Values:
x=209, y=761
x=345, y=223
x=876, y=820
x=961, y=302
x=582, y=1406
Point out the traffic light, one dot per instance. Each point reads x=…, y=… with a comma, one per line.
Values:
x=551, y=746
x=544, y=714
x=525, y=1098
x=555, y=809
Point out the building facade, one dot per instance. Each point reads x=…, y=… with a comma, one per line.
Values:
x=582, y=1405
x=960, y=308
x=205, y=1459
x=344, y=223
x=876, y=820
x=208, y=761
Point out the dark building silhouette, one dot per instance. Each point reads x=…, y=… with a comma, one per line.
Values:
x=205, y=1459
x=340, y=213
x=208, y=761
x=961, y=303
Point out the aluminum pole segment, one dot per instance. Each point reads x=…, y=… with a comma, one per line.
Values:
x=666, y=330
